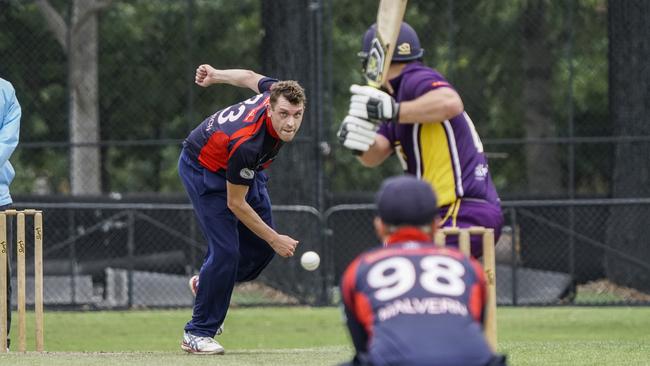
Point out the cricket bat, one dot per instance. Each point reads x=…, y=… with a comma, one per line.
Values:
x=389, y=21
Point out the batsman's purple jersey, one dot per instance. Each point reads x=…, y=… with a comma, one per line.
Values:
x=411, y=303
x=447, y=154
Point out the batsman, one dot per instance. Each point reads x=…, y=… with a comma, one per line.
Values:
x=419, y=116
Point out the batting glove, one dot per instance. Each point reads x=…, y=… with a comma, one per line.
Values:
x=372, y=104
x=357, y=134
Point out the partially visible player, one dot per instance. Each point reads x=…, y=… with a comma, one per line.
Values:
x=410, y=302
x=423, y=121
x=222, y=168
x=10, y=114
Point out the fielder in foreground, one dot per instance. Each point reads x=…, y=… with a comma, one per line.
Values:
x=410, y=302
x=422, y=120
x=221, y=167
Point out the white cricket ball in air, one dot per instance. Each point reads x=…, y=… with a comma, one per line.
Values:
x=310, y=260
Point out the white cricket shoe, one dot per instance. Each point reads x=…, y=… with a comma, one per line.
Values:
x=201, y=345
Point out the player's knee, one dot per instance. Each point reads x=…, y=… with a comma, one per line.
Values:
x=222, y=256
x=249, y=270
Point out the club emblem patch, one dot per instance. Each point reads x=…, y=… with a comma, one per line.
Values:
x=246, y=173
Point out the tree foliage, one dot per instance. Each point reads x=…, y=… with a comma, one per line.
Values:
x=148, y=51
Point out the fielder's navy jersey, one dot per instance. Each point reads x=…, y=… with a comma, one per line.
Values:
x=412, y=303
x=237, y=141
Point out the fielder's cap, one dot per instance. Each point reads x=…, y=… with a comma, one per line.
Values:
x=406, y=200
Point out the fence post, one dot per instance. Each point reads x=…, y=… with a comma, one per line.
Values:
x=130, y=247
x=326, y=269
x=73, y=257
x=514, y=262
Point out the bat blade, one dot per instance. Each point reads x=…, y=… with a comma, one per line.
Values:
x=389, y=20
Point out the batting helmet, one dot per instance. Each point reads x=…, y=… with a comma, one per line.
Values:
x=408, y=44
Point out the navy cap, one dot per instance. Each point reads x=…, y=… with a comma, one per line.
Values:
x=407, y=47
x=406, y=200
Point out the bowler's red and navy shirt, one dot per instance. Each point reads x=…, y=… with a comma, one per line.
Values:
x=237, y=141
x=412, y=303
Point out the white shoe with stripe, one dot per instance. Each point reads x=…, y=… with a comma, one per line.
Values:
x=201, y=345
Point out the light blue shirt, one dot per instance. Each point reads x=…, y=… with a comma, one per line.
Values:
x=9, y=132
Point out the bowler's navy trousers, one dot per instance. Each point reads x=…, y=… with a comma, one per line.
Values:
x=235, y=254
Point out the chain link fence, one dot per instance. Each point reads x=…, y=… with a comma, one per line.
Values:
x=555, y=88
x=550, y=252
x=105, y=256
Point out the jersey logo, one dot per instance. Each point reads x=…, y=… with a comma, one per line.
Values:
x=210, y=123
x=246, y=173
x=480, y=172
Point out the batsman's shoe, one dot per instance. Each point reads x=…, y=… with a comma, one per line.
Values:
x=201, y=345
x=194, y=284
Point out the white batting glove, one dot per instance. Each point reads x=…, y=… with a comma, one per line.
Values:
x=357, y=134
x=372, y=104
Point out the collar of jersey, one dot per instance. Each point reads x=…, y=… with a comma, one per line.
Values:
x=397, y=80
x=407, y=234
x=269, y=126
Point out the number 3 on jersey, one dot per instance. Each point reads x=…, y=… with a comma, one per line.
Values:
x=396, y=276
x=230, y=115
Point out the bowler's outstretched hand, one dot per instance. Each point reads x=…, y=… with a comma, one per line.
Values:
x=203, y=75
x=284, y=245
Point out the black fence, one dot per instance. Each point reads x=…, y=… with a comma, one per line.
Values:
x=111, y=255
x=550, y=252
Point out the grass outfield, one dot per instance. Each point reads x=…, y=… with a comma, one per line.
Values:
x=316, y=336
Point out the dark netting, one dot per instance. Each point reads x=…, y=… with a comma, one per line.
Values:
x=350, y=232
x=135, y=255
x=287, y=275
x=629, y=46
x=557, y=91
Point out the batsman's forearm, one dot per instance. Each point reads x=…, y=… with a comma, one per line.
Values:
x=377, y=153
x=369, y=159
x=237, y=77
x=435, y=106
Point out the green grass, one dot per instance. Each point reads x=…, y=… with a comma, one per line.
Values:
x=595, y=298
x=279, y=336
x=316, y=336
x=575, y=335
